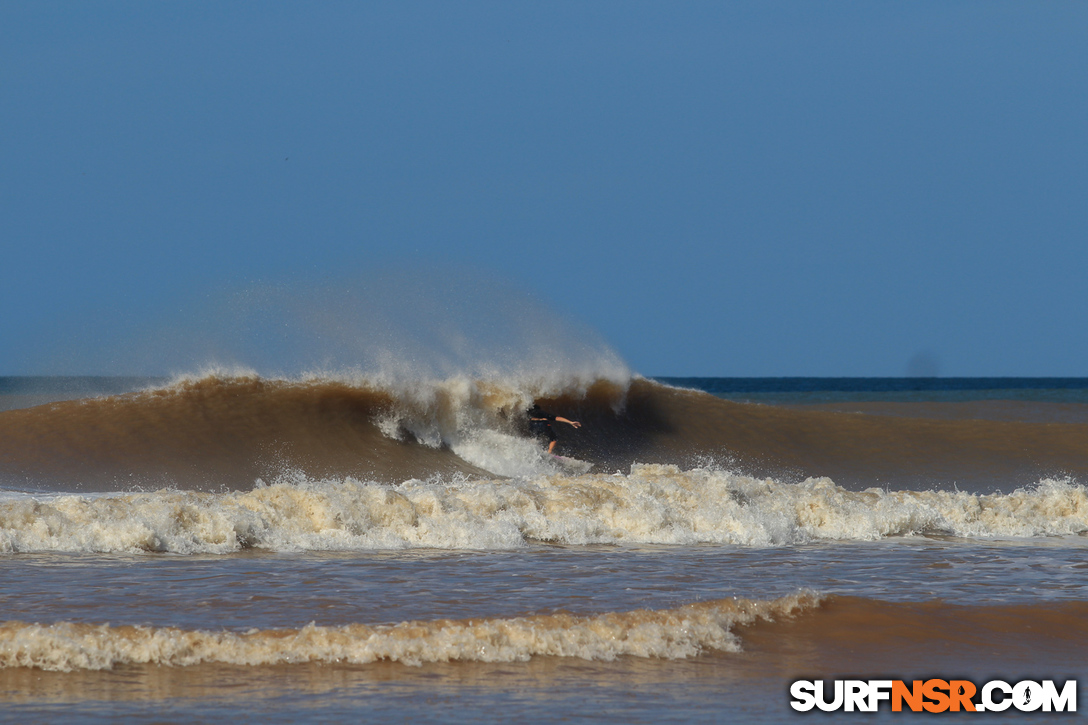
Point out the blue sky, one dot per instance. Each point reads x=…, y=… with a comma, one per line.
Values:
x=762, y=188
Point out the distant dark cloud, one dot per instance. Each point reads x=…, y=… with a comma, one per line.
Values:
x=923, y=364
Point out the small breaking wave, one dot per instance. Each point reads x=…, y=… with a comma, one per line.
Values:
x=670, y=633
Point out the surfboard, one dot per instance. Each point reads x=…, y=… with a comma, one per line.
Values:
x=572, y=464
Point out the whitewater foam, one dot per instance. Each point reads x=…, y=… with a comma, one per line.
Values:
x=654, y=504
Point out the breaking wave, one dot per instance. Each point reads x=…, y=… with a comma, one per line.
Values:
x=813, y=631
x=671, y=633
x=653, y=504
x=224, y=430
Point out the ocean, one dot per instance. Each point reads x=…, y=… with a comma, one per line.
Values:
x=345, y=547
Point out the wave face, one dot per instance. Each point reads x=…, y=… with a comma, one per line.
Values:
x=221, y=432
x=654, y=504
x=216, y=432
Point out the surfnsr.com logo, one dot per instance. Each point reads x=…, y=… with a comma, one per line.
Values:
x=934, y=696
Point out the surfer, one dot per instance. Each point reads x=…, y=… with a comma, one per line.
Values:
x=540, y=424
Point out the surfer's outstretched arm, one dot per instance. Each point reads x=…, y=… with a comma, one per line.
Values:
x=575, y=423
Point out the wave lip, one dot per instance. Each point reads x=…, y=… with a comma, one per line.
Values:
x=654, y=504
x=671, y=633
